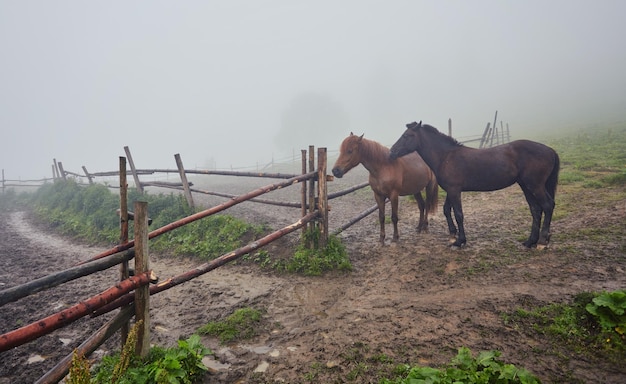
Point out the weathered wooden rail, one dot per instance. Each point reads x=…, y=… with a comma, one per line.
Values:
x=314, y=212
x=121, y=295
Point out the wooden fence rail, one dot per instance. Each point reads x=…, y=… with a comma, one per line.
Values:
x=314, y=206
x=120, y=295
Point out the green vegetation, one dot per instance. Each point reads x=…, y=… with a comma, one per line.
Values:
x=593, y=322
x=464, y=368
x=308, y=259
x=314, y=261
x=238, y=326
x=358, y=363
x=592, y=158
x=182, y=364
x=609, y=310
x=89, y=213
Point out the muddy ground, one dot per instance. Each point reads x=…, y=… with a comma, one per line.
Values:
x=414, y=302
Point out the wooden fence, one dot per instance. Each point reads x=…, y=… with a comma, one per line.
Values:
x=136, y=289
x=314, y=212
x=314, y=208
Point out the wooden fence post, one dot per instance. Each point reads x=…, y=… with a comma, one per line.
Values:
x=494, y=128
x=303, y=209
x=311, y=191
x=61, y=171
x=57, y=175
x=183, y=178
x=322, y=196
x=450, y=127
x=89, y=177
x=142, y=265
x=3, y=181
x=133, y=170
x=124, y=270
x=485, y=135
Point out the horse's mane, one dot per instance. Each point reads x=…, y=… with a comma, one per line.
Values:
x=449, y=139
x=374, y=150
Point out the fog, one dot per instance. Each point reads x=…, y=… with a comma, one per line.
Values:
x=239, y=83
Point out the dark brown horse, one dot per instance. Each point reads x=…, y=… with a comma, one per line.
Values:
x=389, y=179
x=534, y=166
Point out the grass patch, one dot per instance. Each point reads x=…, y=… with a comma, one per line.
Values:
x=314, y=260
x=240, y=325
x=593, y=324
x=464, y=368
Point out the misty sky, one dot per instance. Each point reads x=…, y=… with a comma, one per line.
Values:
x=237, y=83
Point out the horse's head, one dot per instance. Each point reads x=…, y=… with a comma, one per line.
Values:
x=407, y=143
x=349, y=155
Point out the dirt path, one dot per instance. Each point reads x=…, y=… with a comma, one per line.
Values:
x=416, y=301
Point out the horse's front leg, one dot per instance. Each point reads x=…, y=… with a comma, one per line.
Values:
x=380, y=201
x=447, y=212
x=394, y=217
x=455, y=202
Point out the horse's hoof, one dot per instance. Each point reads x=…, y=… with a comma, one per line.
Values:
x=452, y=240
x=457, y=245
x=541, y=247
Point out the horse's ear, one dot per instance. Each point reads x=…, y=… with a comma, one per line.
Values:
x=361, y=137
x=414, y=125
x=351, y=133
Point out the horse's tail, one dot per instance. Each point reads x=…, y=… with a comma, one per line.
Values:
x=432, y=194
x=553, y=179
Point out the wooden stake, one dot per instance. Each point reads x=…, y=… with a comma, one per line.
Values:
x=142, y=264
x=133, y=170
x=124, y=270
x=322, y=196
x=183, y=178
x=303, y=210
x=88, y=175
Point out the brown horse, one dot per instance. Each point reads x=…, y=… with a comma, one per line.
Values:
x=532, y=165
x=389, y=179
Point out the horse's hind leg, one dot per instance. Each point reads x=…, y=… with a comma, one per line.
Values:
x=394, y=217
x=380, y=201
x=547, y=206
x=535, y=211
x=421, y=204
x=455, y=201
x=447, y=212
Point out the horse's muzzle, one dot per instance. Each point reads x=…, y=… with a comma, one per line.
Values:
x=393, y=155
x=338, y=173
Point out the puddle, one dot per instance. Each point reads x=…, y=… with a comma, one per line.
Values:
x=215, y=365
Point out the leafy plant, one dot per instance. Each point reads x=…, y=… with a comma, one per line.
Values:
x=182, y=364
x=314, y=261
x=464, y=368
x=239, y=325
x=610, y=310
